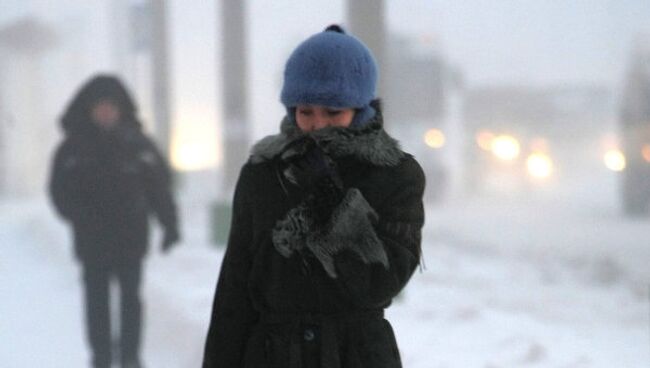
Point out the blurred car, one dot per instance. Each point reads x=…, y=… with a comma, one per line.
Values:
x=507, y=162
x=523, y=138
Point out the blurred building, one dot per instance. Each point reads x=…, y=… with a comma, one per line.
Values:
x=634, y=124
x=417, y=79
x=419, y=88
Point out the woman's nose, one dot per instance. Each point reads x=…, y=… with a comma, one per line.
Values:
x=320, y=121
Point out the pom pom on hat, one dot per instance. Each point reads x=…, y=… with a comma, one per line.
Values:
x=335, y=28
x=330, y=68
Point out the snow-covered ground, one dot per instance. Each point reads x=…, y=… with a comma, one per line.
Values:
x=506, y=283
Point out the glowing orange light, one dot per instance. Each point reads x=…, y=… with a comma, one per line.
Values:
x=645, y=152
x=193, y=147
x=434, y=138
x=615, y=160
x=539, y=145
x=505, y=147
x=539, y=165
x=484, y=139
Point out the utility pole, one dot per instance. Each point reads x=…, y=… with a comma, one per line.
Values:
x=160, y=74
x=235, y=96
x=235, y=115
x=366, y=21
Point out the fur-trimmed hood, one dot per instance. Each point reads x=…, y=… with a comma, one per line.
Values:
x=76, y=117
x=369, y=143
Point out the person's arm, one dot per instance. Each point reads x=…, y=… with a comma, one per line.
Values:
x=370, y=252
x=232, y=310
x=159, y=192
x=397, y=232
x=64, y=187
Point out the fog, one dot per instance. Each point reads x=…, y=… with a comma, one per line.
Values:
x=535, y=245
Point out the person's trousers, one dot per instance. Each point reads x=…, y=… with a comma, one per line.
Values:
x=97, y=276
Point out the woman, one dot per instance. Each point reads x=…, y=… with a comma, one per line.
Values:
x=107, y=178
x=326, y=228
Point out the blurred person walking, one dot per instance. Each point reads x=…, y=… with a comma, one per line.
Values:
x=326, y=226
x=107, y=178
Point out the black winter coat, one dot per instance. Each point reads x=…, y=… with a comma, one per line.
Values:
x=293, y=294
x=107, y=183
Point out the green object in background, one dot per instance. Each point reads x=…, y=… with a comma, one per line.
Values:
x=220, y=215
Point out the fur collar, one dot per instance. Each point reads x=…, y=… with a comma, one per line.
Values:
x=370, y=143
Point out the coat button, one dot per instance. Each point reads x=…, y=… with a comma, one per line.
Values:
x=309, y=335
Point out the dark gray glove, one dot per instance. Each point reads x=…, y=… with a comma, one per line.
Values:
x=311, y=169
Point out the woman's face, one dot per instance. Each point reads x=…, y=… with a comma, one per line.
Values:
x=106, y=114
x=314, y=117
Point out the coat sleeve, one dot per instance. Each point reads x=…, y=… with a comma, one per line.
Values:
x=64, y=188
x=370, y=252
x=232, y=310
x=159, y=186
x=374, y=270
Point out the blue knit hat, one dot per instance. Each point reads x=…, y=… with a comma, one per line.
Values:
x=333, y=69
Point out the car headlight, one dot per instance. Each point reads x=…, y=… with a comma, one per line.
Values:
x=614, y=159
x=505, y=147
x=539, y=165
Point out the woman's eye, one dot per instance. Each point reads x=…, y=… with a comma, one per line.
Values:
x=304, y=112
x=333, y=112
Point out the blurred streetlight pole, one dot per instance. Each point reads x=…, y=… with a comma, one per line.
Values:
x=141, y=57
x=366, y=20
x=232, y=36
x=235, y=99
x=160, y=74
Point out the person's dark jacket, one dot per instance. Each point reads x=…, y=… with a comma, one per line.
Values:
x=106, y=183
x=292, y=293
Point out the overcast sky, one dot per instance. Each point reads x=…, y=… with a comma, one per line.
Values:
x=493, y=40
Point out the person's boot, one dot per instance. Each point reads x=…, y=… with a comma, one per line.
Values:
x=101, y=361
x=132, y=363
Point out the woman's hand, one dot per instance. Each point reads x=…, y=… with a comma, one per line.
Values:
x=310, y=168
